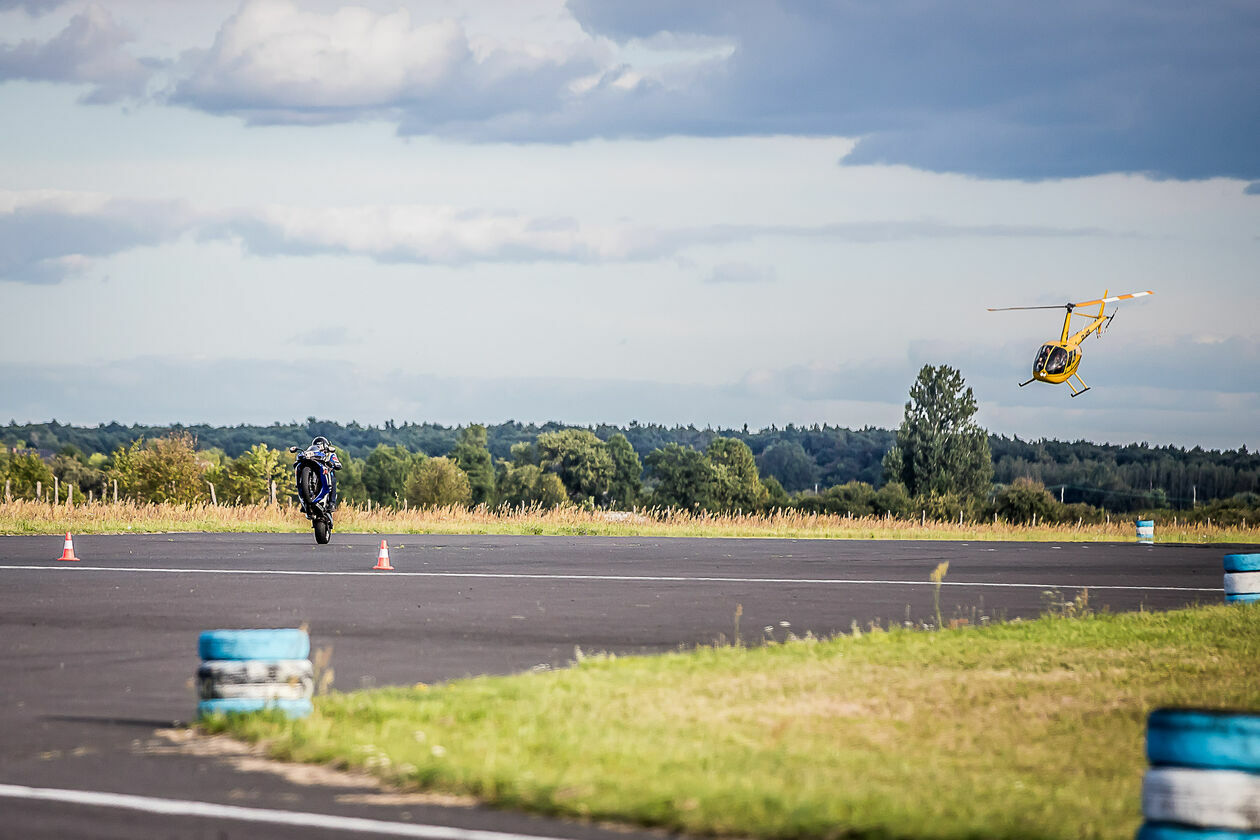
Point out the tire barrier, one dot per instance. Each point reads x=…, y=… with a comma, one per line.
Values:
x=1242, y=578
x=1146, y=531
x=1204, y=780
x=252, y=670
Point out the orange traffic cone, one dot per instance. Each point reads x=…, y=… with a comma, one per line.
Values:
x=382, y=559
x=67, y=550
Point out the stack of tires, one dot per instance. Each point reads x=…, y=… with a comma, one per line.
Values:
x=1204, y=780
x=250, y=670
x=1242, y=577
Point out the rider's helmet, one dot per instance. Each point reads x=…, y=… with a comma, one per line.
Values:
x=320, y=442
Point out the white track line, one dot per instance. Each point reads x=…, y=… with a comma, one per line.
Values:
x=630, y=578
x=210, y=810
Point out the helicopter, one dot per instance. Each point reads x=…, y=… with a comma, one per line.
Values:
x=1057, y=361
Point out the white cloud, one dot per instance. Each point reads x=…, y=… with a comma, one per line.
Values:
x=88, y=51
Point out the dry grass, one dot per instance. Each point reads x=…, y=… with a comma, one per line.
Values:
x=28, y=517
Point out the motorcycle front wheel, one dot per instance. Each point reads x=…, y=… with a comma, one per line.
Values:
x=323, y=531
x=307, y=482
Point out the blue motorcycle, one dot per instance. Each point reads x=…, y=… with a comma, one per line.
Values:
x=315, y=470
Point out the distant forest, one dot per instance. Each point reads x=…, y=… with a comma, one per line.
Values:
x=802, y=459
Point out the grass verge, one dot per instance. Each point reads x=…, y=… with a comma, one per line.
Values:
x=28, y=517
x=1027, y=729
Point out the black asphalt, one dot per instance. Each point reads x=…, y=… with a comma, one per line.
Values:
x=97, y=655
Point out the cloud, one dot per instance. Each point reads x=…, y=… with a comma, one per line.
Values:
x=990, y=89
x=1252, y=189
x=740, y=273
x=273, y=62
x=88, y=51
x=46, y=237
x=31, y=7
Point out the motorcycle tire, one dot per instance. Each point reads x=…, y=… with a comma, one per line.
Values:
x=323, y=531
x=308, y=483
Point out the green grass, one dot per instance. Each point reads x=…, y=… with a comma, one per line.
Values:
x=1026, y=729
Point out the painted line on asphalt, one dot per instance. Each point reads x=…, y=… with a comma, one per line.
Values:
x=625, y=578
x=211, y=810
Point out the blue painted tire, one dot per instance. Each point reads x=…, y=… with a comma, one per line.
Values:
x=1201, y=738
x=1250, y=598
x=239, y=705
x=1242, y=562
x=254, y=644
x=1167, y=831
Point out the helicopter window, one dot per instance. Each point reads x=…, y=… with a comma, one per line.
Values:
x=1056, y=360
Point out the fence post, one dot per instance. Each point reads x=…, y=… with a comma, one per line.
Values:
x=272, y=484
x=39, y=490
x=115, y=491
x=69, y=495
x=8, y=494
x=214, y=499
x=56, y=490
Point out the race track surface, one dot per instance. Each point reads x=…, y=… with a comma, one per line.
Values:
x=98, y=655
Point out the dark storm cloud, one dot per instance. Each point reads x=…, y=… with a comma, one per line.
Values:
x=88, y=51
x=1020, y=90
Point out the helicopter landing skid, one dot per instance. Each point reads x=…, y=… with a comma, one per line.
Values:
x=1084, y=387
x=1022, y=384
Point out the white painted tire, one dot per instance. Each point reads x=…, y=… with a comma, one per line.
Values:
x=1228, y=799
x=256, y=670
x=211, y=690
x=1242, y=583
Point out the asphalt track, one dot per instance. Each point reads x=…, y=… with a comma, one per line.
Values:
x=96, y=657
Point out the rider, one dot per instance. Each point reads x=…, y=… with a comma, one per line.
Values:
x=321, y=443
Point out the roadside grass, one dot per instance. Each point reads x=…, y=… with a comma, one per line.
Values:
x=30, y=517
x=1017, y=730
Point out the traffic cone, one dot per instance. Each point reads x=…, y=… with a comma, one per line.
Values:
x=382, y=559
x=67, y=550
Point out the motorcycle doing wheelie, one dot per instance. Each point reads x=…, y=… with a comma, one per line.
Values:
x=314, y=470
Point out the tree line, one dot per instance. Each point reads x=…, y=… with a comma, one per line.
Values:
x=937, y=464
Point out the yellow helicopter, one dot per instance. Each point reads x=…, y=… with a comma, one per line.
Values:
x=1057, y=361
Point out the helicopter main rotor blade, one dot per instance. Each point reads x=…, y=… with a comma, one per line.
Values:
x=1112, y=299
x=1011, y=308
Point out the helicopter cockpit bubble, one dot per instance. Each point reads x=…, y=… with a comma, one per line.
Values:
x=1051, y=359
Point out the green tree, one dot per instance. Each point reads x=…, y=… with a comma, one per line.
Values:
x=473, y=457
x=776, y=496
x=164, y=470
x=790, y=464
x=627, y=479
x=25, y=472
x=683, y=477
x=529, y=485
x=385, y=474
x=892, y=499
x=736, y=483
x=581, y=460
x=249, y=477
x=940, y=448
x=439, y=482
x=1024, y=499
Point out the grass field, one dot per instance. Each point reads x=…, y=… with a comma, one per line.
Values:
x=27, y=517
x=1019, y=730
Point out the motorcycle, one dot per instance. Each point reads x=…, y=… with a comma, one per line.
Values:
x=314, y=469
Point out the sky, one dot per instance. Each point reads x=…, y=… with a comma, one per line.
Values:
x=720, y=212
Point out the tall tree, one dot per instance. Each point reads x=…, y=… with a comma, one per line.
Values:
x=940, y=448
x=683, y=477
x=385, y=472
x=788, y=462
x=581, y=460
x=438, y=482
x=473, y=457
x=736, y=483
x=627, y=479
